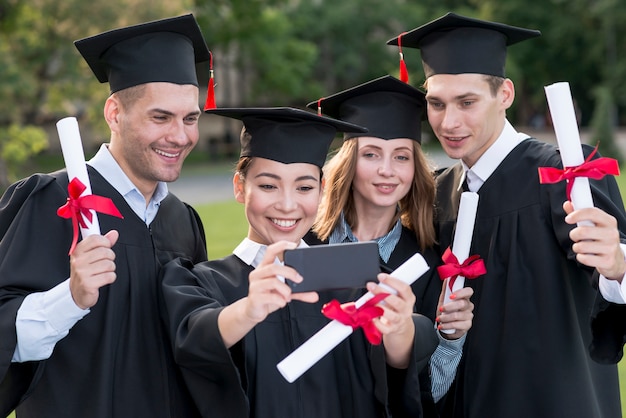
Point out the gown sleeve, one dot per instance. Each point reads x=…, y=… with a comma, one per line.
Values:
x=27, y=209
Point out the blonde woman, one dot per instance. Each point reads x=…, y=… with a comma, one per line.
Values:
x=380, y=186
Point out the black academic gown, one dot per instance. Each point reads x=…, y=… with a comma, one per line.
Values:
x=527, y=353
x=351, y=381
x=115, y=362
x=426, y=289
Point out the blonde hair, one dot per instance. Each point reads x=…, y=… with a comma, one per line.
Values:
x=416, y=208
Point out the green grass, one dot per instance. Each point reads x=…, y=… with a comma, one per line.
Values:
x=225, y=226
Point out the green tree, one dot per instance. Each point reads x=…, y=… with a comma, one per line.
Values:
x=42, y=76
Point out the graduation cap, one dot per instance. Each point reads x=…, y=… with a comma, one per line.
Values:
x=388, y=107
x=284, y=134
x=455, y=44
x=159, y=51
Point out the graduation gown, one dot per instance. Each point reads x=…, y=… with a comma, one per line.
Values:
x=527, y=353
x=115, y=362
x=351, y=381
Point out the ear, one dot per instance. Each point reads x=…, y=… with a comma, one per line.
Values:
x=112, y=111
x=239, y=188
x=507, y=93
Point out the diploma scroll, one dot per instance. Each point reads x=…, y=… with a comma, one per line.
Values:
x=566, y=129
x=320, y=344
x=72, y=148
x=462, y=240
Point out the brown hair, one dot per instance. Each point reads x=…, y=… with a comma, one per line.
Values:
x=416, y=208
x=127, y=97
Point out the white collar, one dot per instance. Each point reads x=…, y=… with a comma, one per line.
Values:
x=252, y=253
x=490, y=160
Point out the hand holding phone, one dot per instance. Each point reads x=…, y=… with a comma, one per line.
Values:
x=334, y=266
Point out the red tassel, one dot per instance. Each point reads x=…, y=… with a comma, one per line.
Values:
x=210, y=95
x=404, y=74
x=319, y=106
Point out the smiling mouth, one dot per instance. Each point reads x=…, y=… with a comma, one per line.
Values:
x=166, y=154
x=386, y=186
x=455, y=138
x=284, y=223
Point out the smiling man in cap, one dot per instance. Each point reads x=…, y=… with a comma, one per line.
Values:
x=82, y=335
x=526, y=354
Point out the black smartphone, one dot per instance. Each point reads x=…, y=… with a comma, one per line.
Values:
x=334, y=266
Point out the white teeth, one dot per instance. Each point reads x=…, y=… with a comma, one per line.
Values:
x=284, y=223
x=166, y=154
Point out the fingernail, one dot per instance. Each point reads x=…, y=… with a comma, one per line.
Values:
x=441, y=309
x=438, y=326
x=453, y=296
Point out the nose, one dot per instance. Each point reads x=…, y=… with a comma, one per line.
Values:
x=287, y=202
x=178, y=133
x=450, y=118
x=385, y=168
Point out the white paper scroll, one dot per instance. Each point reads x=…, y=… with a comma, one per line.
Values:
x=72, y=148
x=320, y=344
x=462, y=240
x=566, y=129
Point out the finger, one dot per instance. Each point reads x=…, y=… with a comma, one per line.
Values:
x=270, y=286
x=274, y=271
x=568, y=207
x=595, y=215
x=112, y=236
x=91, y=242
x=308, y=297
x=276, y=250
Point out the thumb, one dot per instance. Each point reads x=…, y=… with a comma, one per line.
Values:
x=112, y=236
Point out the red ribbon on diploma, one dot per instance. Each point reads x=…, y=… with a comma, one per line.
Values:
x=471, y=268
x=593, y=169
x=355, y=317
x=78, y=206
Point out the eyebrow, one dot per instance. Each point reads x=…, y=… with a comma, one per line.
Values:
x=276, y=177
x=380, y=148
x=459, y=97
x=169, y=113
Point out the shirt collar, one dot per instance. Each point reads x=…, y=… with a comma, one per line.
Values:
x=105, y=164
x=252, y=253
x=490, y=160
x=386, y=243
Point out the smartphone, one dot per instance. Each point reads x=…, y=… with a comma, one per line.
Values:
x=334, y=266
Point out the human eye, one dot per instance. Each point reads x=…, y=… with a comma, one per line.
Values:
x=403, y=157
x=305, y=188
x=192, y=119
x=267, y=187
x=435, y=105
x=368, y=153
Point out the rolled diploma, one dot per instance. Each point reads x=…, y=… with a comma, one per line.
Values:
x=320, y=344
x=567, y=136
x=72, y=148
x=462, y=240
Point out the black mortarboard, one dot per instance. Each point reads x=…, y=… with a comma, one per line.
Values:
x=387, y=107
x=160, y=51
x=286, y=134
x=454, y=44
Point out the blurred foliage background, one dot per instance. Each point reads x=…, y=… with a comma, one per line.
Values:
x=291, y=52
